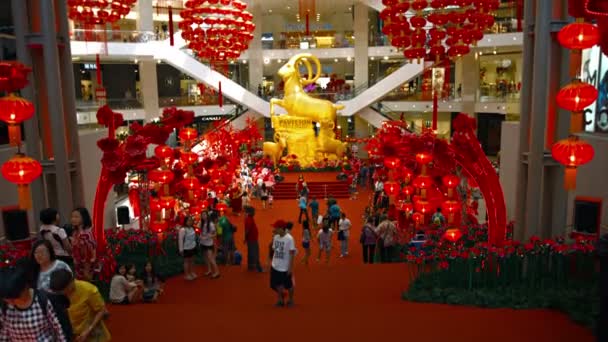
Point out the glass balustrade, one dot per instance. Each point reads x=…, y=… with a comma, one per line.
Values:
x=191, y=100
x=115, y=36
x=93, y=106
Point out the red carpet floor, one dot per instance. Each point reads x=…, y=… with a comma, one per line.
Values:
x=341, y=301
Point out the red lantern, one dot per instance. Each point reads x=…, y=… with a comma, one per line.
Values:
x=407, y=190
x=392, y=162
x=576, y=96
x=572, y=152
x=423, y=182
x=217, y=34
x=423, y=207
x=188, y=134
x=406, y=206
x=451, y=207
x=579, y=36
x=450, y=181
x=14, y=110
x=99, y=12
x=167, y=202
x=159, y=226
x=160, y=176
x=13, y=76
x=391, y=188
x=452, y=235
x=221, y=207
x=188, y=158
x=22, y=170
x=191, y=183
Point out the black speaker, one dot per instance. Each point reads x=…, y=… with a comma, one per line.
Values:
x=122, y=213
x=586, y=216
x=15, y=224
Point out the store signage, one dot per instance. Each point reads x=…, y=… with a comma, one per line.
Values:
x=296, y=27
x=211, y=118
x=601, y=117
x=590, y=74
x=90, y=66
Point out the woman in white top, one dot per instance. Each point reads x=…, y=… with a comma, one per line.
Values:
x=45, y=262
x=208, y=234
x=123, y=291
x=186, y=241
x=344, y=230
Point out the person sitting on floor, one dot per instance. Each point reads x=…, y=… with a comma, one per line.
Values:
x=123, y=291
x=153, y=284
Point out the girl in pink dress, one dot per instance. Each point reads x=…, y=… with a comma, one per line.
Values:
x=83, y=244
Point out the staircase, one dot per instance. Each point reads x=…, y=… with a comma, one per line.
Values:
x=320, y=190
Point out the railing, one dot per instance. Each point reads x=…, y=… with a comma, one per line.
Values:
x=114, y=36
x=91, y=106
x=193, y=100
x=498, y=93
x=340, y=39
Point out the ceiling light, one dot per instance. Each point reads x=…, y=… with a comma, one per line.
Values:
x=244, y=61
x=266, y=60
x=279, y=60
x=288, y=7
x=494, y=51
x=372, y=58
x=385, y=58
x=270, y=11
x=336, y=60
x=135, y=61
x=348, y=59
x=481, y=53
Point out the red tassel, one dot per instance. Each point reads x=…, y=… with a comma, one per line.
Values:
x=435, y=110
x=220, y=96
x=98, y=69
x=171, y=42
x=307, y=24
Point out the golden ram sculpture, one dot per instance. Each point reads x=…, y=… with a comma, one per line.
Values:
x=274, y=150
x=296, y=127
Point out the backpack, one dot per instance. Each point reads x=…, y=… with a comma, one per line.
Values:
x=44, y=232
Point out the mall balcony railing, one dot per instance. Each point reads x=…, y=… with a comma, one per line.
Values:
x=93, y=106
x=186, y=101
x=498, y=93
x=340, y=39
x=114, y=36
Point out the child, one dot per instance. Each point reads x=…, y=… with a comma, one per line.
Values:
x=123, y=291
x=152, y=284
x=306, y=241
x=131, y=272
x=325, y=242
x=270, y=199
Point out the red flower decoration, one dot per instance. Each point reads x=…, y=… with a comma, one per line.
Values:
x=176, y=118
x=105, y=115
x=112, y=161
x=135, y=148
x=13, y=76
x=155, y=134
x=107, y=144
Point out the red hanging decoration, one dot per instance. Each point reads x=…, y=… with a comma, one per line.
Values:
x=220, y=96
x=99, y=12
x=22, y=170
x=579, y=36
x=217, y=33
x=171, y=39
x=14, y=110
x=452, y=235
x=572, y=152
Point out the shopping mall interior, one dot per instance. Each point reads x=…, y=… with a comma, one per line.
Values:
x=465, y=135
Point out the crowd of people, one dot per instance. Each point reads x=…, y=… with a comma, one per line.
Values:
x=50, y=297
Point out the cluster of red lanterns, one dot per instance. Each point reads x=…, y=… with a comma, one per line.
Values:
x=99, y=12
x=217, y=30
x=575, y=97
x=20, y=169
x=406, y=24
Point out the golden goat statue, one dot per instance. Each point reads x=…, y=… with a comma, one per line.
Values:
x=296, y=101
x=274, y=150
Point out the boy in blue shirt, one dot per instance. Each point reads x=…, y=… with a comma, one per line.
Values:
x=303, y=208
x=314, y=210
x=334, y=216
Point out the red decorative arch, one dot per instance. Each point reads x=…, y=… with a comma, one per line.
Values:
x=470, y=156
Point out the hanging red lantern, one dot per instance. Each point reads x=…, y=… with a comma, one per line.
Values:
x=391, y=162
x=450, y=181
x=391, y=188
x=451, y=207
x=576, y=96
x=159, y=226
x=217, y=32
x=423, y=206
x=424, y=158
x=452, y=235
x=221, y=207
x=14, y=110
x=406, y=206
x=423, y=182
x=22, y=170
x=188, y=134
x=188, y=158
x=99, y=12
x=407, y=190
x=161, y=177
x=572, y=152
x=13, y=76
x=579, y=36
x=167, y=202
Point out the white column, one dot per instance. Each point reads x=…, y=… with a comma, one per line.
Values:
x=144, y=15
x=467, y=79
x=361, y=29
x=149, y=88
x=256, y=59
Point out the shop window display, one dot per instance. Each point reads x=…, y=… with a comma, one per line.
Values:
x=499, y=78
